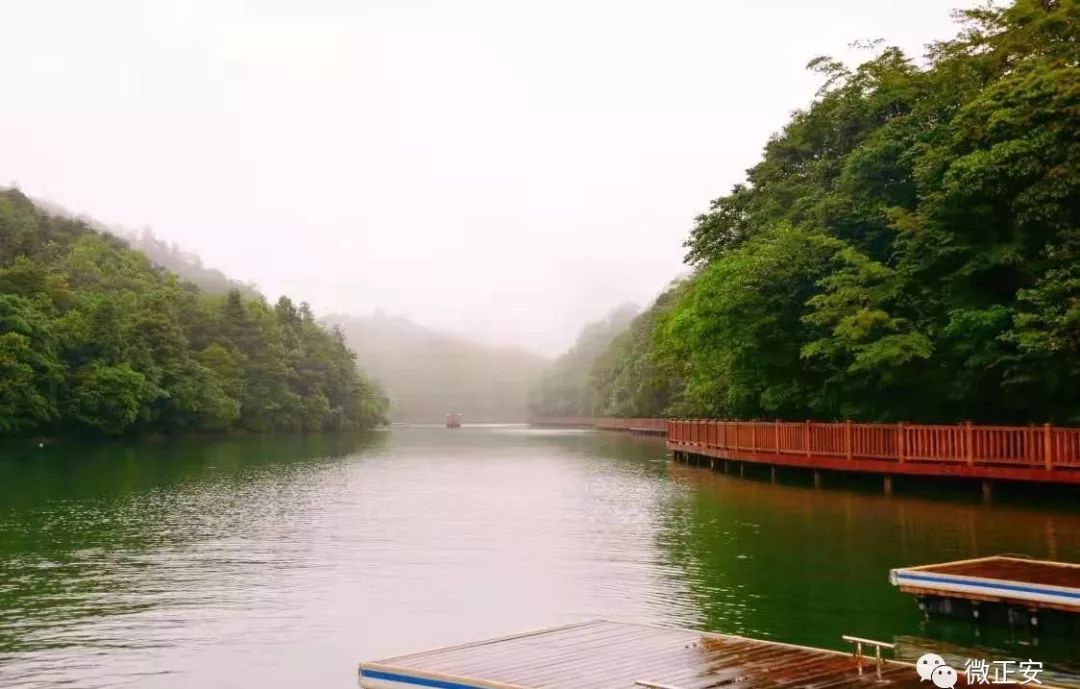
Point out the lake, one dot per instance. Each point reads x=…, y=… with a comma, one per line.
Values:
x=283, y=561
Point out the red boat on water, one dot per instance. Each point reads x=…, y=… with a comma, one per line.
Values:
x=453, y=420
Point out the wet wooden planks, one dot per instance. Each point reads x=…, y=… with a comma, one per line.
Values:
x=1013, y=569
x=1017, y=581
x=613, y=655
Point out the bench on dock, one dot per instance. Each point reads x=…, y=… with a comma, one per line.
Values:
x=614, y=655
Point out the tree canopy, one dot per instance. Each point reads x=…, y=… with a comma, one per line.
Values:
x=565, y=389
x=94, y=337
x=907, y=247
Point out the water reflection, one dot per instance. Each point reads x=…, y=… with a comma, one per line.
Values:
x=280, y=562
x=808, y=565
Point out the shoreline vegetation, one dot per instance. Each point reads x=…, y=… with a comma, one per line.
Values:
x=907, y=249
x=97, y=340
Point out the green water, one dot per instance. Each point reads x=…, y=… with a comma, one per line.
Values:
x=281, y=562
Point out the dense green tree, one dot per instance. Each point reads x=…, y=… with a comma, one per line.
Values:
x=93, y=336
x=630, y=378
x=564, y=389
x=30, y=371
x=737, y=331
x=906, y=248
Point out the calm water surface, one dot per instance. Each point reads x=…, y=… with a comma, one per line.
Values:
x=281, y=562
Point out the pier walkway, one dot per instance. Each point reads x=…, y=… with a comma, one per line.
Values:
x=613, y=655
x=1045, y=454
x=1020, y=453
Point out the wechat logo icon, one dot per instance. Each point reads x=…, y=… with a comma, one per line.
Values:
x=932, y=667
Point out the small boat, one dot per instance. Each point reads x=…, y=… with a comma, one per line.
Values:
x=453, y=420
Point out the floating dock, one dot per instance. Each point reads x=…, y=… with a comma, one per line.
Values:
x=615, y=655
x=1032, y=585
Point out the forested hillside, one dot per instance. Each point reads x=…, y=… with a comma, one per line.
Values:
x=94, y=337
x=907, y=248
x=186, y=265
x=428, y=374
x=565, y=388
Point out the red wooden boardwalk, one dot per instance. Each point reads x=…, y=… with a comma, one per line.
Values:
x=1044, y=453
x=1019, y=453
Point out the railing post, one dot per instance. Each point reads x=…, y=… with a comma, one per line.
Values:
x=847, y=439
x=969, y=442
x=776, y=434
x=753, y=436
x=806, y=438
x=900, y=442
x=1048, y=445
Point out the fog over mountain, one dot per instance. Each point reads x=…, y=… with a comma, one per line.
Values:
x=427, y=373
x=504, y=171
x=171, y=257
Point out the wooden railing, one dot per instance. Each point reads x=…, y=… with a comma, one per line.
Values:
x=1045, y=446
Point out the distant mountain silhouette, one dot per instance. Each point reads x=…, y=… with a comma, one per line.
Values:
x=428, y=373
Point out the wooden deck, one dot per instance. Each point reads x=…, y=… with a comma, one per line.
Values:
x=1031, y=584
x=613, y=655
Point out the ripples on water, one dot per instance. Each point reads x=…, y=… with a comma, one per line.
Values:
x=282, y=562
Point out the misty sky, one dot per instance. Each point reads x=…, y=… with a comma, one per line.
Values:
x=499, y=168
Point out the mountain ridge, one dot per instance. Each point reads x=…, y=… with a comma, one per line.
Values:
x=428, y=373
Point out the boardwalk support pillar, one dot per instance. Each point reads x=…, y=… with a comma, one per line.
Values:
x=772, y=474
x=987, y=491
x=888, y=485
x=817, y=479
